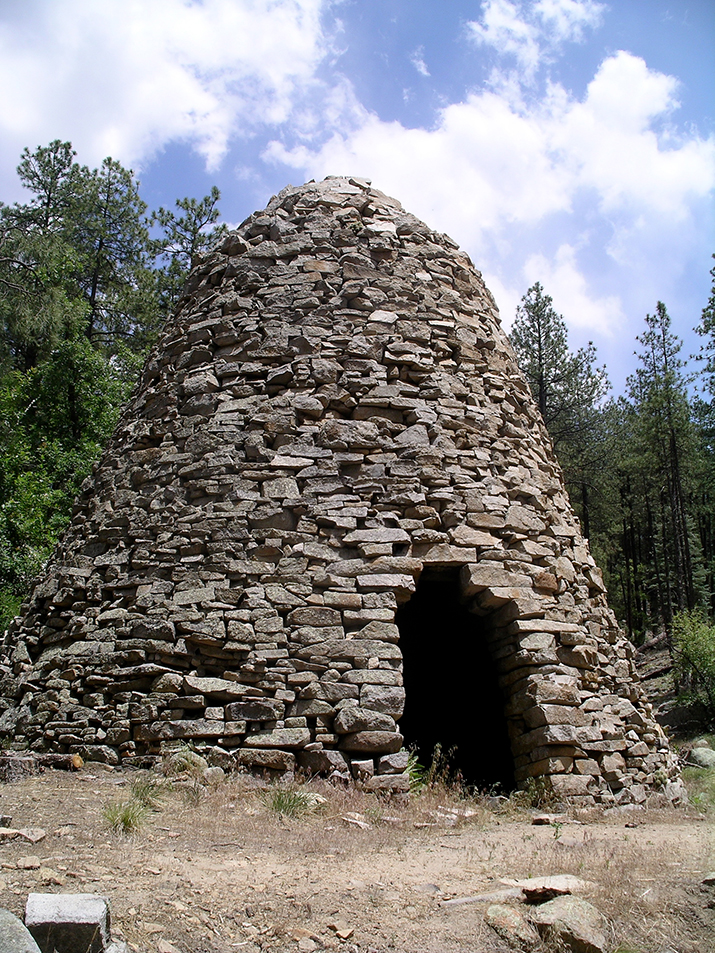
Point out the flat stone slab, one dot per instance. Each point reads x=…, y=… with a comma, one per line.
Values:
x=542, y=889
x=68, y=923
x=30, y=834
x=703, y=757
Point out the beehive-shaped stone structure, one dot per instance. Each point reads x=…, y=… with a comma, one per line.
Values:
x=331, y=499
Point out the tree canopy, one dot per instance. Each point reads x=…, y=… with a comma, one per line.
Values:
x=87, y=277
x=639, y=468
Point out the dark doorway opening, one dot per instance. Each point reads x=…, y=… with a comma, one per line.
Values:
x=452, y=695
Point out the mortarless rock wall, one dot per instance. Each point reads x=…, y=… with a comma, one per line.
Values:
x=333, y=412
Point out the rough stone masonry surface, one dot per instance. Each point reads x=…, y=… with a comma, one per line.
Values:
x=333, y=409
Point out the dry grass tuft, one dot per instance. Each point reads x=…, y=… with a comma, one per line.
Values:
x=125, y=817
x=292, y=801
x=254, y=874
x=149, y=791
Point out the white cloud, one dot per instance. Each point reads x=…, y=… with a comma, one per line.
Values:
x=490, y=164
x=418, y=61
x=567, y=19
x=504, y=28
x=125, y=77
x=495, y=167
x=610, y=143
x=572, y=296
x=532, y=32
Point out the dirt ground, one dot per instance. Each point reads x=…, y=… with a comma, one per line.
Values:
x=220, y=869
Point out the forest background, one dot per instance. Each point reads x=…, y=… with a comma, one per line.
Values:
x=88, y=275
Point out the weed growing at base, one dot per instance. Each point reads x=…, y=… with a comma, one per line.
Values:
x=125, y=817
x=701, y=787
x=148, y=791
x=291, y=802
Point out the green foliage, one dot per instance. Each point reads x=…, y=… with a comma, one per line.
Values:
x=417, y=773
x=694, y=657
x=569, y=389
x=185, y=236
x=700, y=783
x=706, y=328
x=74, y=259
x=125, y=817
x=83, y=292
x=54, y=421
x=657, y=558
x=567, y=386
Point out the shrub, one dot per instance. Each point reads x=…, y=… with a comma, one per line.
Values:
x=125, y=817
x=417, y=773
x=694, y=658
x=183, y=760
x=701, y=787
x=535, y=793
x=193, y=792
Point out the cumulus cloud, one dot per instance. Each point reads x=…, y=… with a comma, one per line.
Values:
x=124, y=77
x=489, y=163
x=495, y=167
x=504, y=28
x=568, y=19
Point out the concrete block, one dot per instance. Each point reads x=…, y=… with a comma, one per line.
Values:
x=68, y=923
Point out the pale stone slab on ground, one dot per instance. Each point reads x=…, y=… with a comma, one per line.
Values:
x=703, y=757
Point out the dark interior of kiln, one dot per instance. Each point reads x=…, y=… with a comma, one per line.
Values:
x=452, y=695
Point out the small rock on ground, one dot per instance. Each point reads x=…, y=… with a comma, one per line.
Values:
x=703, y=757
x=573, y=922
x=512, y=926
x=14, y=935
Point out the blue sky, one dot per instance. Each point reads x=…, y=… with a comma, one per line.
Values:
x=566, y=141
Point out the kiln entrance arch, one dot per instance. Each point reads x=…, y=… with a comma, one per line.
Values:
x=452, y=695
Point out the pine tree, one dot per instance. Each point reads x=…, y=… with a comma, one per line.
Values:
x=659, y=561
x=185, y=236
x=82, y=296
x=704, y=410
x=110, y=233
x=569, y=389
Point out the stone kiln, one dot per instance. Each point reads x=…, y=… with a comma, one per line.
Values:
x=332, y=427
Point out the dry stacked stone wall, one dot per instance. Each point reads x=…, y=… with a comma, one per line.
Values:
x=333, y=410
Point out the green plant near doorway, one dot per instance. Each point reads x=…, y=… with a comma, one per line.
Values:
x=417, y=773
